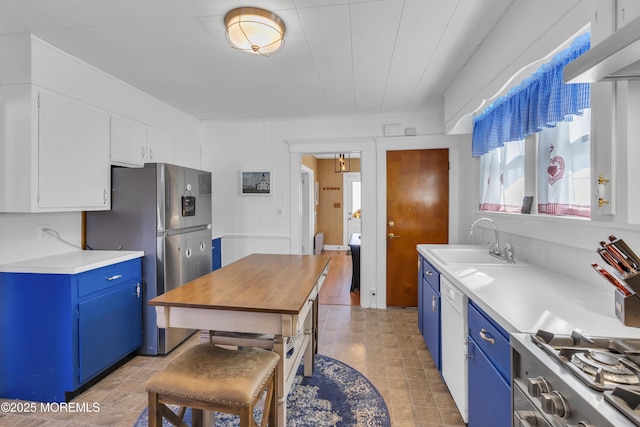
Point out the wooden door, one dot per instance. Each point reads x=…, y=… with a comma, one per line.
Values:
x=417, y=212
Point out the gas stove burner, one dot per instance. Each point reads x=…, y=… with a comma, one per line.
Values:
x=604, y=367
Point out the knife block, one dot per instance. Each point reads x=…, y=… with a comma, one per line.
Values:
x=628, y=307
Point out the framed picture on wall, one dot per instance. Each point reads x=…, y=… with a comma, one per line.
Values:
x=255, y=183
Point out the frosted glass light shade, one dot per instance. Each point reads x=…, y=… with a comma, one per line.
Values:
x=254, y=30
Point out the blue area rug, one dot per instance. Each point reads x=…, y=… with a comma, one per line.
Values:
x=336, y=395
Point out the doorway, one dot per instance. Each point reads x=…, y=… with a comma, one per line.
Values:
x=417, y=212
x=308, y=211
x=352, y=205
x=332, y=196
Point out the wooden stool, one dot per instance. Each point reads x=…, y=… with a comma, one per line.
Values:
x=207, y=377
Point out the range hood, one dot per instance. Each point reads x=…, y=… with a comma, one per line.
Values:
x=615, y=58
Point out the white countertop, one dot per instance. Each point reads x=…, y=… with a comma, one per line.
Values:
x=526, y=298
x=70, y=263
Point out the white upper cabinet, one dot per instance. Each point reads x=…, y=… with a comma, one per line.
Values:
x=627, y=11
x=133, y=144
x=73, y=147
x=128, y=143
x=159, y=147
x=55, y=153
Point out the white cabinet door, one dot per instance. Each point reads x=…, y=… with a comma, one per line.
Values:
x=187, y=153
x=128, y=143
x=627, y=11
x=454, y=338
x=159, y=147
x=73, y=155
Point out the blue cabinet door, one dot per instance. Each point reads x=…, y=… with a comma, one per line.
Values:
x=420, y=295
x=216, y=254
x=431, y=321
x=109, y=327
x=489, y=393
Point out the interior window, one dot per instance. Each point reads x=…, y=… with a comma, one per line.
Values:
x=502, y=178
x=564, y=167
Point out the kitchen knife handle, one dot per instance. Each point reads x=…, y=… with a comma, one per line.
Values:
x=615, y=282
x=609, y=259
x=619, y=257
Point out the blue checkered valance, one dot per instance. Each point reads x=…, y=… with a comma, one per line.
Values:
x=540, y=101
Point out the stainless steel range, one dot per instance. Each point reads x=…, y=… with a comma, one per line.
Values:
x=575, y=380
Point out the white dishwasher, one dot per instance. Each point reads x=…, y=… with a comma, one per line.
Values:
x=454, y=347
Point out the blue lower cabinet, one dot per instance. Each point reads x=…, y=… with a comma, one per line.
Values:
x=489, y=371
x=489, y=392
x=431, y=322
x=216, y=254
x=62, y=330
x=109, y=328
x=429, y=308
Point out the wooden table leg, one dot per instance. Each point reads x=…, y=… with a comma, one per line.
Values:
x=281, y=374
x=309, y=330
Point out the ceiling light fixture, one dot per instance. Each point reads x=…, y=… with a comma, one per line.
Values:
x=254, y=30
x=342, y=163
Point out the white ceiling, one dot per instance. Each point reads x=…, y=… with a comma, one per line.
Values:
x=340, y=56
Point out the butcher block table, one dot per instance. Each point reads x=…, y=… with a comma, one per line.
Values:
x=261, y=300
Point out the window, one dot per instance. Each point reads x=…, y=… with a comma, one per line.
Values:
x=502, y=178
x=564, y=168
x=541, y=108
x=562, y=173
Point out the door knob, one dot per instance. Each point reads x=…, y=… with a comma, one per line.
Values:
x=392, y=236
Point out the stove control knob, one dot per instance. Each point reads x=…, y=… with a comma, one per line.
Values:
x=553, y=403
x=537, y=386
x=584, y=424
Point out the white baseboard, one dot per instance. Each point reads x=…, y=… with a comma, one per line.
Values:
x=335, y=248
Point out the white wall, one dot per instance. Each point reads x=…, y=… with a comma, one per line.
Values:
x=31, y=60
x=527, y=33
x=271, y=223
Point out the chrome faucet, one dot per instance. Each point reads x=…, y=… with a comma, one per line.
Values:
x=506, y=253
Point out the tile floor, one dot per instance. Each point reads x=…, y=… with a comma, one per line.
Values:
x=385, y=345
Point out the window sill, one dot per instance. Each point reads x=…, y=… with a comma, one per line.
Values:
x=570, y=231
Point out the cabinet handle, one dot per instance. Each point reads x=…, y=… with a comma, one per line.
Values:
x=483, y=335
x=142, y=153
x=138, y=290
x=428, y=273
x=434, y=299
x=150, y=154
x=467, y=356
x=105, y=199
x=115, y=277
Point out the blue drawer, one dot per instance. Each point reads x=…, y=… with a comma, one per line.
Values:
x=431, y=275
x=111, y=275
x=495, y=343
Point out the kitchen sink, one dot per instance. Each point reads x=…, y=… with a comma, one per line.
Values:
x=469, y=255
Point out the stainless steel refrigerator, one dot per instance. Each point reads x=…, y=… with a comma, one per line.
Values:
x=165, y=211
